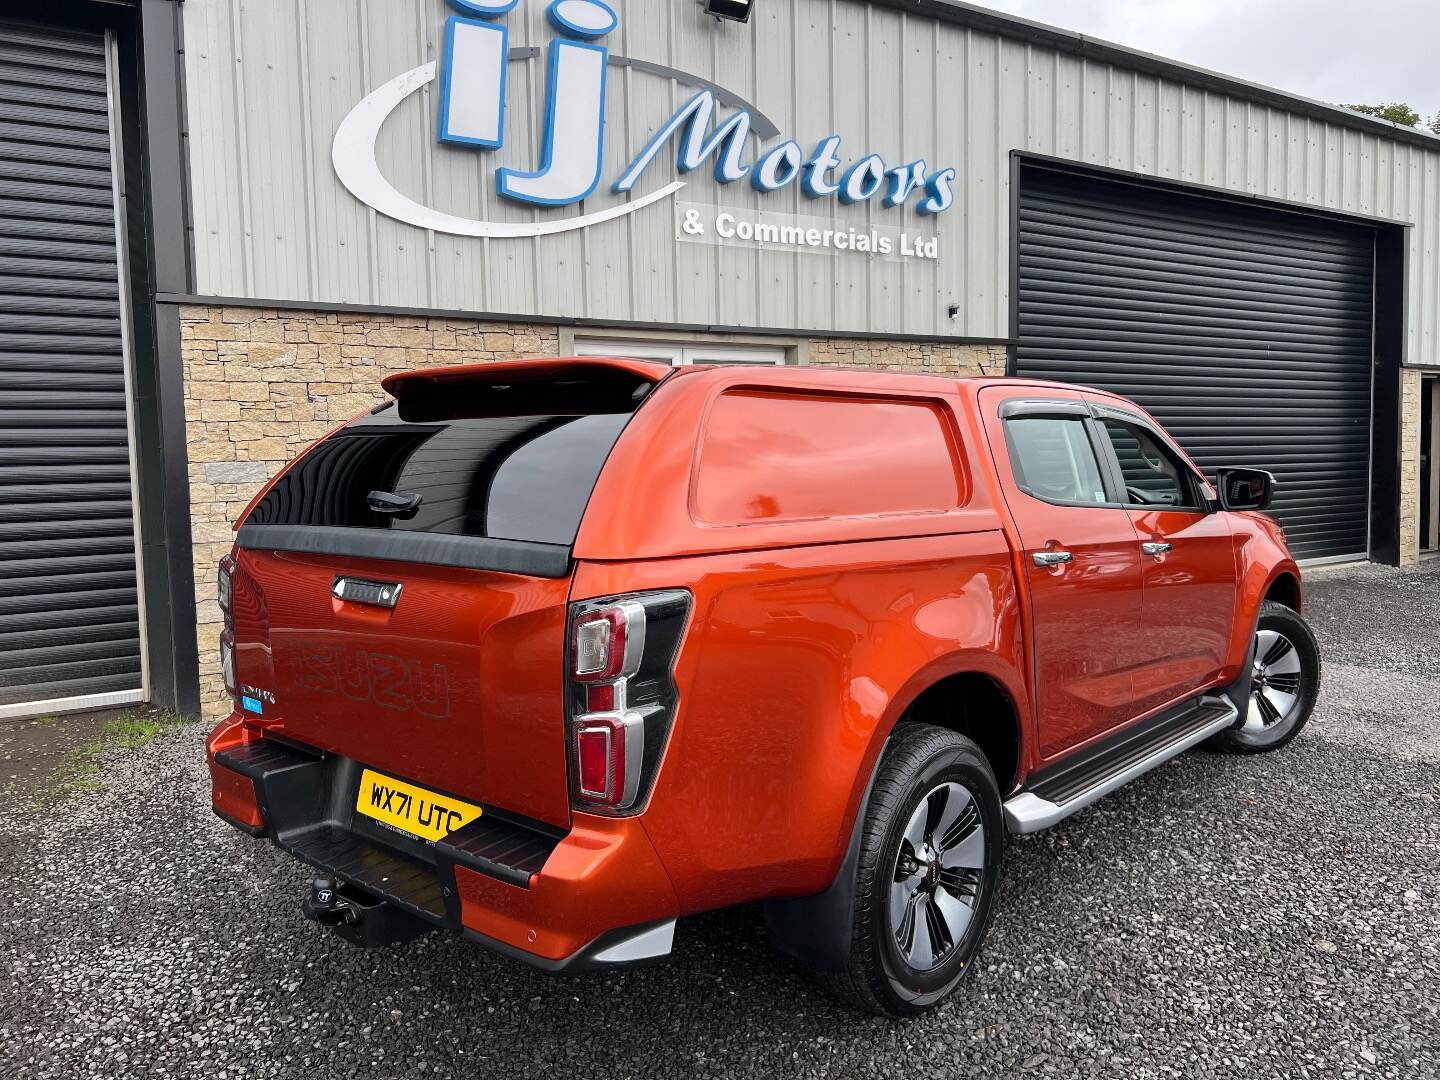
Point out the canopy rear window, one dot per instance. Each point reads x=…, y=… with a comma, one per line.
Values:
x=510, y=463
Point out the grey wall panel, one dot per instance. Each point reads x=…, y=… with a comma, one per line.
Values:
x=776, y=282
x=69, y=608
x=218, y=196
x=811, y=108
x=269, y=81
x=333, y=37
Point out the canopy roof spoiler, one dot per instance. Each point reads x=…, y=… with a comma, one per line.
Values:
x=578, y=384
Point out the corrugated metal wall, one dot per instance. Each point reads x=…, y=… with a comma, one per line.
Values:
x=269, y=80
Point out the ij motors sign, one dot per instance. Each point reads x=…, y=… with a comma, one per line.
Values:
x=705, y=132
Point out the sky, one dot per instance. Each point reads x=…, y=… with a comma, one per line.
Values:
x=1317, y=48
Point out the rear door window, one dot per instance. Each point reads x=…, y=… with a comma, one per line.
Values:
x=1053, y=459
x=525, y=478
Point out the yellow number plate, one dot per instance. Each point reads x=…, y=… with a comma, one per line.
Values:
x=409, y=809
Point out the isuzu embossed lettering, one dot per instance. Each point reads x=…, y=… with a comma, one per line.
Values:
x=554, y=653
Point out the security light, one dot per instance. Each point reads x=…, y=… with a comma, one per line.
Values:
x=739, y=10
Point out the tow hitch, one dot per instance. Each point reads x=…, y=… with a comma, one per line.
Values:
x=359, y=917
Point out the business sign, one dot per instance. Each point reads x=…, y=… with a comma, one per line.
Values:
x=700, y=134
x=768, y=230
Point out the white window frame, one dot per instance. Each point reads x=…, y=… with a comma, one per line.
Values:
x=681, y=352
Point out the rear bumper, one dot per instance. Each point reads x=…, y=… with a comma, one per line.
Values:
x=595, y=897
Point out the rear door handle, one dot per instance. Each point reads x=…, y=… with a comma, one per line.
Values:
x=401, y=504
x=1052, y=558
x=1156, y=549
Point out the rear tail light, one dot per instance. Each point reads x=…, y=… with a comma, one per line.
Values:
x=608, y=752
x=606, y=642
x=227, y=660
x=225, y=585
x=600, y=698
x=225, y=592
x=592, y=760
x=621, y=698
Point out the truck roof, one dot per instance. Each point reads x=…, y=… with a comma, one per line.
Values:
x=590, y=367
x=507, y=370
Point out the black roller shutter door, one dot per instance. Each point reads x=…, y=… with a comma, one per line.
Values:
x=69, y=616
x=1245, y=330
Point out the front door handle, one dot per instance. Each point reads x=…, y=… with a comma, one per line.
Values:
x=1052, y=558
x=1157, y=549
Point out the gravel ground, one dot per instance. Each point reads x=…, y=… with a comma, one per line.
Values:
x=1273, y=916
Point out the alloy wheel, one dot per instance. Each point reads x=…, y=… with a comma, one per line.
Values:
x=939, y=871
x=1275, y=682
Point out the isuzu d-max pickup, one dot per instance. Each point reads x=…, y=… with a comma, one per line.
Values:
x=554, y=653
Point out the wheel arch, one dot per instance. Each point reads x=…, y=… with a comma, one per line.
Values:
x=1260, y=580
x=979, y=707
x=935, y=690
x=817, y=929
x=1284, y=588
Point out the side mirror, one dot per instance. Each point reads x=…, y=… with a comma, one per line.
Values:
x=1245, y=489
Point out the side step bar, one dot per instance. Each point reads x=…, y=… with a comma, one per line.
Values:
x=1061, y=792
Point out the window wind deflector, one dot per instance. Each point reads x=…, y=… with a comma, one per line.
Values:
x=1042, y=407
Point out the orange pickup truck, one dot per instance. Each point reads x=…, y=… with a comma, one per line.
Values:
x=555, y=652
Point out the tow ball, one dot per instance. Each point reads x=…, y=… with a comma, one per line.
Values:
x=326, y=906
x=359, y=917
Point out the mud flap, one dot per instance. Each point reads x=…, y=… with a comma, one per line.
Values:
x=1239, y=691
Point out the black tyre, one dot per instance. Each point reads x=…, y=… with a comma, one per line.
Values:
x=1285, y=683
x=930, y=851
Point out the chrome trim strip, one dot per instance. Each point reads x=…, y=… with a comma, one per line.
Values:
x=649, y=945
x=1052, y=558
x=634, y=636
x=387, y=592
x=1028, y=813
x=634, y=756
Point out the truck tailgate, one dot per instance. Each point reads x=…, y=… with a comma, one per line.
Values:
x=458, y=687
